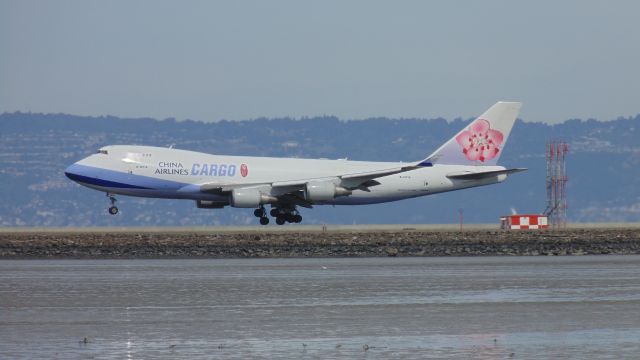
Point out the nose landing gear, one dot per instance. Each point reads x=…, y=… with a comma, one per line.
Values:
x=113, y=209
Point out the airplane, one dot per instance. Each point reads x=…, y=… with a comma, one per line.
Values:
x=468, y=159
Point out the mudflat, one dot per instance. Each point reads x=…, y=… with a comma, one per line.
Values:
x=506, y=307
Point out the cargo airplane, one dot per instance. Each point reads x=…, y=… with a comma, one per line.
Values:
x=469, y=159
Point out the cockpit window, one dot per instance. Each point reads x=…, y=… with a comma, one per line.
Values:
x=105, y=152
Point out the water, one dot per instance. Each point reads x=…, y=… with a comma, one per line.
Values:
x=480, y=308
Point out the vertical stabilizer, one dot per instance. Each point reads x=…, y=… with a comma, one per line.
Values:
x=480, y=143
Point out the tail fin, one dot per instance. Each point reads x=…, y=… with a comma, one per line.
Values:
x=481, y=142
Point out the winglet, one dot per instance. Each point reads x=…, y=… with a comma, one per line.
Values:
x=480, y=143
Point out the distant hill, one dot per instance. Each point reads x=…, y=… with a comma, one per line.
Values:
x=603, y=167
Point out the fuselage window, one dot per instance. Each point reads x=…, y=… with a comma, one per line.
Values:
x=102, y=152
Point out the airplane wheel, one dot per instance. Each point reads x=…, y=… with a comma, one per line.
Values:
x=113, y=210
x=264, y=220
x=274, y=212
x=297, y=218
x=258, y=212
x=280, y=220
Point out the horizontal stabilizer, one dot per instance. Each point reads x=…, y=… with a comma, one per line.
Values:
x=467, y=175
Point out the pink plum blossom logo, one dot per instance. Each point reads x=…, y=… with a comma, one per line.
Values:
x=480, y=141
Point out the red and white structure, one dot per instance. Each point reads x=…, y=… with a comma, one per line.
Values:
x=557, y=183
x=524, y=222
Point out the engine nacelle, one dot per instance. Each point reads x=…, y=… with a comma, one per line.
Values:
x=250, y=198
x=324, y=191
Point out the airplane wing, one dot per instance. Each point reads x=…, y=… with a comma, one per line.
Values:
x=368, y=175
x=292, y=191
x=353, y=180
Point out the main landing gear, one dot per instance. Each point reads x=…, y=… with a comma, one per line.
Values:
x=113, y=209
x=282, y=215
x=261, y=213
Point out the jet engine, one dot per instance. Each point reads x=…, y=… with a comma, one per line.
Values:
x=324, y=191
x=250, y=198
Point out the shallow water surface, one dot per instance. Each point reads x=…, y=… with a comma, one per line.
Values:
x=483, y=307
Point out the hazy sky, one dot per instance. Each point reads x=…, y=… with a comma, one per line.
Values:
x=209, y=60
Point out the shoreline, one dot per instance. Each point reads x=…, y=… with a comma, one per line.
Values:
x=303, y=228
x=288, y=242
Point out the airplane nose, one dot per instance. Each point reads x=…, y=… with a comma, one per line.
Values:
x=73, y=172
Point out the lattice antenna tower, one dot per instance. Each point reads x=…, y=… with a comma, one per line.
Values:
x=557, y=183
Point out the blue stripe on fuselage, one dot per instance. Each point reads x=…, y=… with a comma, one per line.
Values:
x=116, y=179
x=99, y=182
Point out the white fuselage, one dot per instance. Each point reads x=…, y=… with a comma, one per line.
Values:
x=178, y=174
